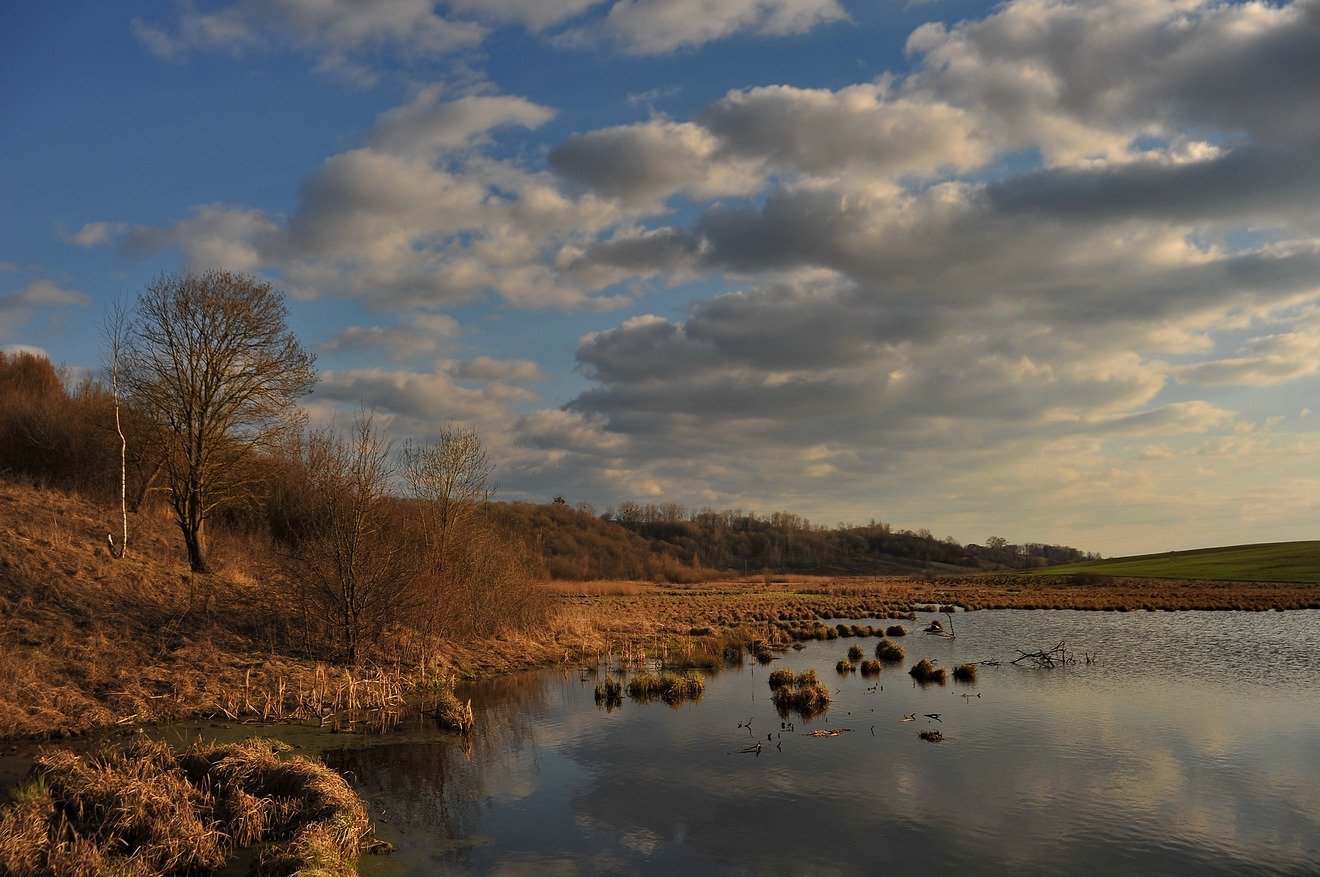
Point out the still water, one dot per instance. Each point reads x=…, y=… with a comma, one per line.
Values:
x=1191, y=746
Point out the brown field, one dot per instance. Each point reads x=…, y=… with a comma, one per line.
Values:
x=89, y=641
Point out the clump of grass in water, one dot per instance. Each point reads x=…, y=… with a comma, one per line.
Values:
x=844, y=667
x=965, y=673
x=804, y=695
x=143, y=810
x=609, y=693
x=672, y=688
x=888, y=651
x=451, y=713
x=896, y=630
x=781, y=679
x=925, y=671
x=854, y=653
x=870, y=667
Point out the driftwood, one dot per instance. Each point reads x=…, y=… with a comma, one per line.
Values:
x=1055, y=657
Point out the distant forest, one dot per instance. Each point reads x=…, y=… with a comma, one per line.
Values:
x=671, y=543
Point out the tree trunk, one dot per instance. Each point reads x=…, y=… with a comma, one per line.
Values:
x=147, y=481
x=194, y=538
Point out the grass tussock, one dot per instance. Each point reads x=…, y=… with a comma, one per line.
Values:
x=451, y=713
x=925, y=671
x=854, y=653
x=805, y=696
x=965, y=673
x=896, y=630
x=609, y=694
x=672, y=688
x=888, y=651
x=870, y=667
x=782, y=678
x=144, y=810
x=844, y=667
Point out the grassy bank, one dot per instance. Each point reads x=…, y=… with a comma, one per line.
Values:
x=90, y=641
x=1268, y=562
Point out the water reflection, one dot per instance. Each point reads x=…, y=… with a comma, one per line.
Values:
x=1189, y=748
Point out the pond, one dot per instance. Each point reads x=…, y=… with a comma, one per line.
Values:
x=1190, y=745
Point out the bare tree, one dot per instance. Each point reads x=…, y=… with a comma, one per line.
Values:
x=451, y=476
x=476, y=579
x=353, y=560
x=114, y=330
x=208, y=358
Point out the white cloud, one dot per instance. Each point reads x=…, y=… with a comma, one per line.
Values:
x=652, y=27
x=18, y=307
x=334, y=30
x=653, y=160
x=425, y=128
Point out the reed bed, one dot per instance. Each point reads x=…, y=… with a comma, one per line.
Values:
x=145, y=810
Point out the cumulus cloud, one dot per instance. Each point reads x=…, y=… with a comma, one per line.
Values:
x=653, y=160
x=418, y=217
x=1035, y=265
x=18, y=307
x=652, y=27
x=423, y=335
x=341, y=34
x=334, y=30
x=426, y=127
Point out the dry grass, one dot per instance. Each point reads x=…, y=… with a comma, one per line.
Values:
x=143, y=810
x=672, y=688
x=888, y=651
x=925, y=671
x=89, y=641
x=806, y=696
x=964, y=673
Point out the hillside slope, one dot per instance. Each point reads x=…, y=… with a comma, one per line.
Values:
x=1266, y=562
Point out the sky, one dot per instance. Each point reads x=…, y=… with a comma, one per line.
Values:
x=1037, y=269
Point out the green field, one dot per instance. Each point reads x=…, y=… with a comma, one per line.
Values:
x=1267, y=562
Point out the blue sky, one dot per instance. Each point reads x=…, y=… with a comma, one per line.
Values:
x=1039, y=269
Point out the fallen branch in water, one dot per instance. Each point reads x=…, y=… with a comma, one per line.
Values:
x=1055, y=657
